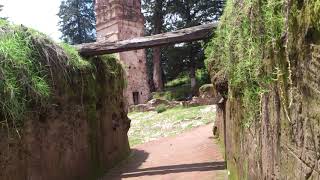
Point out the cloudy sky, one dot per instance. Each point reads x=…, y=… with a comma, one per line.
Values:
x=38, y=14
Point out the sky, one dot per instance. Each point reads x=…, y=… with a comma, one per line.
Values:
x=38, y=14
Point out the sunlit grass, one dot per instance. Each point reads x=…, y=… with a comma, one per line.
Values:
x=148, y=126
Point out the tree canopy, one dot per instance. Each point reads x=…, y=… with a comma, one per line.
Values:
x=77, y=21
x=177, y=14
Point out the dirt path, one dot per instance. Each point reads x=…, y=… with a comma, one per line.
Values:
x=189, y=156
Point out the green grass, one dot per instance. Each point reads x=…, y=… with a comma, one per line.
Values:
x=184, y=79
x=148, y=126
x=178, y=93
x=161, y=108
x=31, y=64
x=27, y=61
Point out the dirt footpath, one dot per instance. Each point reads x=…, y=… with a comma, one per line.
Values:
x=189, y=156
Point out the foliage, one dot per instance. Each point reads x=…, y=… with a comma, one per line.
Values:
x=180, y=14
x=178, y=93
x=183, y=78
x=28, y=60
x=155, y=11
x=115, y=71
x=191, y=13
x=161, y=108
x=147, y=126
x=179, y=89
x=77, y=21
x=75, y=59
x=241, y=44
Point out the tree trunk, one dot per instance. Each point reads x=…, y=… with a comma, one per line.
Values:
x=158, y=23
x=193, y=80
x=192, y=75
x=157, y=70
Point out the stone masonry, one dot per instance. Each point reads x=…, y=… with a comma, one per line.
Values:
x=120, y=20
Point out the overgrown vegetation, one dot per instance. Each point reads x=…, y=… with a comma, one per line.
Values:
x=147, y=126
x=29, y=62
x=180, y=89
x=161, y=108
x=184, y=79
x=178, y=93
x=251, y=36
x=241, y=44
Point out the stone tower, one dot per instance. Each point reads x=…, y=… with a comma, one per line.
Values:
x=120, y=20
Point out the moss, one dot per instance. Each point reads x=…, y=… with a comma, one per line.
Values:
x=104, y=85
x=35, y=72
x=75, y=60
x=260, y=45
x=28, y=60
x=240, y=46
x=233, y=173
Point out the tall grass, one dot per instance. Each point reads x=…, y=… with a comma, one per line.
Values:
x=28, y=60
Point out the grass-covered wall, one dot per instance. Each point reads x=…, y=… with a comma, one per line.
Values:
x=61, y=116
x=268, y=50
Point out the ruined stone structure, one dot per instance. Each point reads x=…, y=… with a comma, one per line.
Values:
x=120, y=20
x=283, y=140
x=75, y=132
x=78, y=136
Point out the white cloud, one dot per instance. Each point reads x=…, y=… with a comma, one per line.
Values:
x=38, y=14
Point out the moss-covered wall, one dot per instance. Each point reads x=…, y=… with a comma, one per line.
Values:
x=77, y=129
x=269, y=50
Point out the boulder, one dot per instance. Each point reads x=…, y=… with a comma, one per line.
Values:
x=156, y=102
x=207, y=91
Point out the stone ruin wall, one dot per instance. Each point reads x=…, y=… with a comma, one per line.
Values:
x=78, y=136
x=284, y=143
x=120, y=20
x=274, y=147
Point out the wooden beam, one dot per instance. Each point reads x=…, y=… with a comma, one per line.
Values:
x=179, y=36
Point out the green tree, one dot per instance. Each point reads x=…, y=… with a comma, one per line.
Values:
x=168, y=15
x=77, y=21
x=188, y=13
x=155, y=12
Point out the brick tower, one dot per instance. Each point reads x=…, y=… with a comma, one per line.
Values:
x=120, y=20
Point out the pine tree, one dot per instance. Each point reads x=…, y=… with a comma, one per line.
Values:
x=77, y=21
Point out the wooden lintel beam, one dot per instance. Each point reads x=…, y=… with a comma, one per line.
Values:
x=179, y=36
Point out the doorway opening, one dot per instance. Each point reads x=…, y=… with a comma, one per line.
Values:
x=135, y=98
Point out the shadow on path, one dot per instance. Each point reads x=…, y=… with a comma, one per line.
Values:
x=212, y=166
x=190, y=155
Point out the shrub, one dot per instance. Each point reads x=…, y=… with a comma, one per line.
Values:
x=161, y=108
